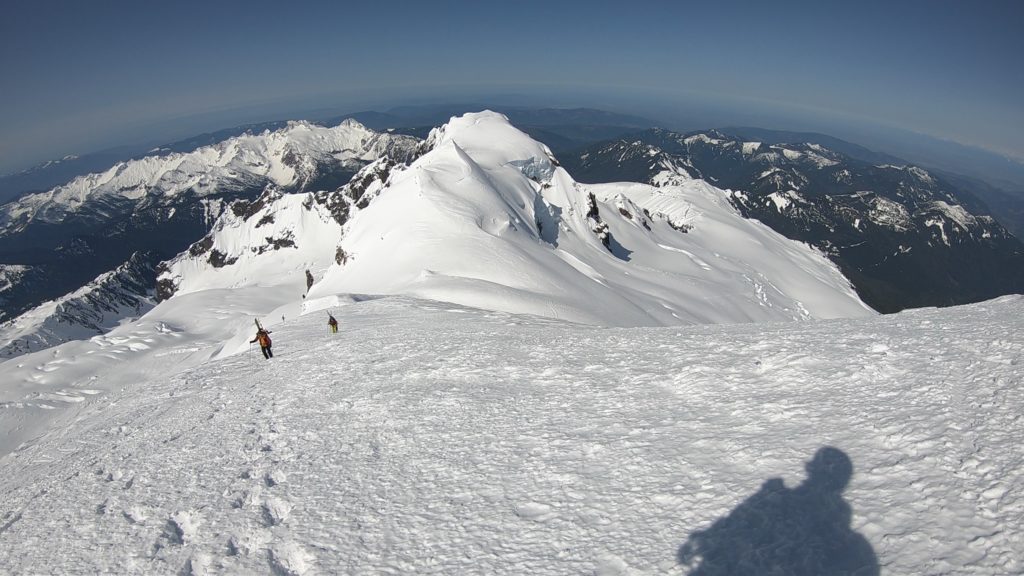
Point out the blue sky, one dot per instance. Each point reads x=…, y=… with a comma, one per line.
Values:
x=79, y=76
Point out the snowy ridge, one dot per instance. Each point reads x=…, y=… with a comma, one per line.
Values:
x=165, y=203
x=287, y=158
x=114, y=297
x=275, y=239
x=807, y=153
x=917, y=172
x=277, y=236
x=487, y=218
x=41, y=166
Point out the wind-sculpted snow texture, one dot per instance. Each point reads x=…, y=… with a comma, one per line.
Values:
x=430, y=438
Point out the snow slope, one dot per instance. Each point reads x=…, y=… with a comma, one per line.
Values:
x=433, y=438
x=48, y=389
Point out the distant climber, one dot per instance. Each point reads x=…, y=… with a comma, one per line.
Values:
x=263, y=337
x=309, y=280
x=333, y=323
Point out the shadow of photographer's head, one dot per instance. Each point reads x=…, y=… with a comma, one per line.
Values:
x=830, y=469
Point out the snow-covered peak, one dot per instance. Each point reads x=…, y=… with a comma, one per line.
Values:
x=487, y=218
x=275, y=239
x=490, y=139
x=704, y=138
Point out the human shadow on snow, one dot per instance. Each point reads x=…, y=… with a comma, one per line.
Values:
x=802, y=531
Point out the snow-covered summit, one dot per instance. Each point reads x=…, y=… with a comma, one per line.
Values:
x=487, y=218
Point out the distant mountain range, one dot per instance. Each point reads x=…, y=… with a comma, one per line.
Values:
x=1005, y=204
x=561, y=129
x=997, y=180
x=57, y=172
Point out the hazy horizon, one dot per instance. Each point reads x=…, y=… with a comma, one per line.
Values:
x=82, y=77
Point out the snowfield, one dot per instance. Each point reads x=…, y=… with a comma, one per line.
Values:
x=433, y=438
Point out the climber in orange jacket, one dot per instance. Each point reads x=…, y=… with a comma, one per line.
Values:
x=263, y=337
